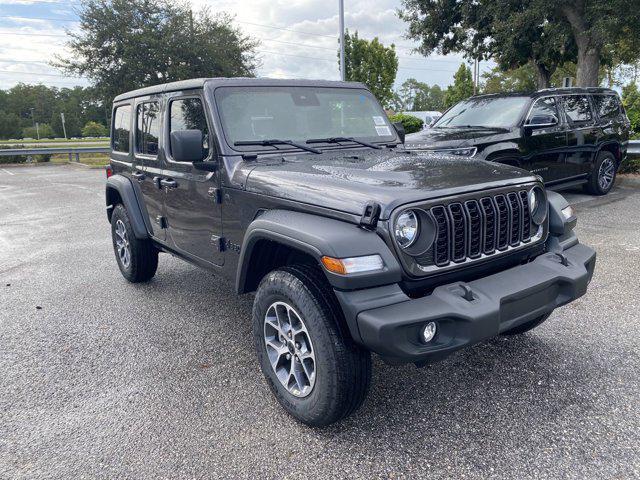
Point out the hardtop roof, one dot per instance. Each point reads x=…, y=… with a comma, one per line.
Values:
x=241, y=81
x=550, y=91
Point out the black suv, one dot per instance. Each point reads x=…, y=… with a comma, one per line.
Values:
x=569, y=137
x=301, y=192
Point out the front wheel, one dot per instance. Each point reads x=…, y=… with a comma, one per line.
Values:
x=604, y=174
x=313, y=368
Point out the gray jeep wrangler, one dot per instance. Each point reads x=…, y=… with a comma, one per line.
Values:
x=302, y=192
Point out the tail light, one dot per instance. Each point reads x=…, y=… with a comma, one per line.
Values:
x=109, y=171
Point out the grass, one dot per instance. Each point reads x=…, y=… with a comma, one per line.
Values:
x=95, y=160
x=53, y=140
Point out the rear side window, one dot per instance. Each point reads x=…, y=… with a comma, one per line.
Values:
x=147, y=128
x=544, y=107
x=188, y=114
x=607, y=106
x=577, y=108
x=121, y=129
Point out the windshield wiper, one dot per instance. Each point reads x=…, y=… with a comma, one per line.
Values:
x=273, y=142
x=344, y=139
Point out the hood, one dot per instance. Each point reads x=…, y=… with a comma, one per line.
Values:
x=348, y=180
x=454, y=137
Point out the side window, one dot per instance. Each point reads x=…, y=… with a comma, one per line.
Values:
x=544, y=107
x=121, y=129
x=188, y=114
x=147, y=128
x=607, y=106
x=577, y=108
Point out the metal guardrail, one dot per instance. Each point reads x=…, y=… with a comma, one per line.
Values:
x=71, y=151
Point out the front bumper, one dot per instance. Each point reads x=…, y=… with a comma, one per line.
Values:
x=500, y=302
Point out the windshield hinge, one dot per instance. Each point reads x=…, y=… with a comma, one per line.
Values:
x=370, y=216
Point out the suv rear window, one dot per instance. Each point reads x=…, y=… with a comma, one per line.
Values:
x=607, y=106
x=121, y=129
x=147, y=128
x=577, y=108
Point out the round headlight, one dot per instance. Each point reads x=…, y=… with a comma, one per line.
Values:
x=538, y=205
x=406, y=228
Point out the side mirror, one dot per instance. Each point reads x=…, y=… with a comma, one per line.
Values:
x=186, y=146
x=542, y=121
x=400, y=129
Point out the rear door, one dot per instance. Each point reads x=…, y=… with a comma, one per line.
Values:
x=583, y=134
x=544, y=148
x=192, y=203
x=148, y=136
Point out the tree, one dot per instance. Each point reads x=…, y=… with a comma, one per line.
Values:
x=544, y=33
x=128, y=44
x=522, y=79
x=371, y=63
x=94, y=129
x=512, y=32
x=10, y=125
x=631, y=102
x=419, y=96
x=462, y=86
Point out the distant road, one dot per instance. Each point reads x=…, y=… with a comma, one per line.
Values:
x=55, y=144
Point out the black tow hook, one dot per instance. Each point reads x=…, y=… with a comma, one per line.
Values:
x=563, y=259
x=467, y=293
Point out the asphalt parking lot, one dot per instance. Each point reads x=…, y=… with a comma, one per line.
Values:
x=104, y=379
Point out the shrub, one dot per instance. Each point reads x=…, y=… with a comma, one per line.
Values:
x=44, y=130
x=410, y=123
x=22, y=158
x=94, y=129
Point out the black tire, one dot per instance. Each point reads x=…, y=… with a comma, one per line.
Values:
x=605, y=162
x=342, y=368
x=143, y=256
x=525, y=327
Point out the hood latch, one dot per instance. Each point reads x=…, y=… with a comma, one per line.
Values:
x=370, y=216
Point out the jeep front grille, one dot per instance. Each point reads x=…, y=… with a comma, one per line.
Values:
x=479, y=227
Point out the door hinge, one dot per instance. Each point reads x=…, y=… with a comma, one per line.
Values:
x=218, y=242
x=162, y=221
x=370, y=215
x=216, y=194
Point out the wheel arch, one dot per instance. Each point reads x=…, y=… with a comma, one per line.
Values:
x=612, y=147
x=511, y=156
x=281, y=237
x=120, y=190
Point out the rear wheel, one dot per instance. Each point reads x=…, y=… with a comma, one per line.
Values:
x=525, y=327
x=603, y=175
x=137, y=258
x=313, y=368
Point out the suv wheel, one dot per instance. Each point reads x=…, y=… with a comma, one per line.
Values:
x=604, y=174
x=530, y=325
x=137, y=259
x=316, y=372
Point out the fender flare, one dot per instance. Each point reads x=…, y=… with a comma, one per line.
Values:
x=123, y=186
x=318, y=236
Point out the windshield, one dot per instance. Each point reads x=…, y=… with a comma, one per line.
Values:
x=484, y=112
x=300, y=114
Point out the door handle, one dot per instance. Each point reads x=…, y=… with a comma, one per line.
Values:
x=168, y=183
x=138, y=176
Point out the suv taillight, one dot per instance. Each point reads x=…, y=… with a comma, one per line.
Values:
x=109, y=171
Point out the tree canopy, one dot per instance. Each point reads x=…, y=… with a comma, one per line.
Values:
x=418, y=96
x=543, y=33
x=461, y=88
x=127, y=44
x=371, y=63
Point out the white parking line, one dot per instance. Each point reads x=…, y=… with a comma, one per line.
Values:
x=7, y=171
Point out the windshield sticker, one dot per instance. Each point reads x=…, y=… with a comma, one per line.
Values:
x=379, y=121
x=383, y=131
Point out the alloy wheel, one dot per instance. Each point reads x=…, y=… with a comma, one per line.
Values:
x=606, y=174
x=122, y=244
x=289, y=349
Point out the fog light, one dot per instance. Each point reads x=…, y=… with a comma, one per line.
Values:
x=429, y=331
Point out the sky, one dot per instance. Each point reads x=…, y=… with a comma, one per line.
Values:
x=298, y=38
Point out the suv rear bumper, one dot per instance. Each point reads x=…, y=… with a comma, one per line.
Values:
x=500, y=302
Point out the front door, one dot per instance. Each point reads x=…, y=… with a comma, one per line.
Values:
x=149, y=165
x=544, y=147
x=192, y=197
